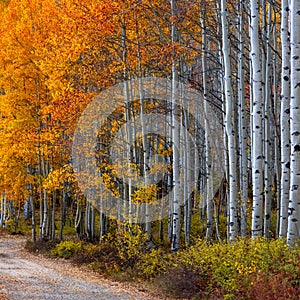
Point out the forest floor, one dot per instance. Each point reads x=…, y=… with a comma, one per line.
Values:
x=31, y=277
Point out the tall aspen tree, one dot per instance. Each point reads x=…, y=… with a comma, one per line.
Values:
x=229, y=125
x=243, y=162
x=285, y=145
x=293, y=233
x=257, y=124
x=176, y=226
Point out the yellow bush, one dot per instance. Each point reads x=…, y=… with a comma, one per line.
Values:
x=153, y=263
x=66, y=249
x=230, y=263
x=130, y=244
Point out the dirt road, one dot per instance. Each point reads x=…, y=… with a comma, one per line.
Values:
x=28, y=277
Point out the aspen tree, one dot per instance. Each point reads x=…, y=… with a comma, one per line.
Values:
x=257, y=124
x=242, y=120
x=268, y=174
x=285, y=146
x=176, y=226
x=208, y=156
x=230, y=130
x=293, y=232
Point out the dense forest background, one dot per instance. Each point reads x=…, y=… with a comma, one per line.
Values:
x=240, y=56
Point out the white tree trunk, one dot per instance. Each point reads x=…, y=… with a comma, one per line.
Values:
x=3, y=209
x=285, y=146
x=126, y=204
x=208, y=156
x=257, y=128
x=187, y=179
x=145, y=141
x=232, y=156
x=33, y=220
x=175, y=241
x=294, y=203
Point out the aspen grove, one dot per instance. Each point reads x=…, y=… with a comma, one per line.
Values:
x=241, y=56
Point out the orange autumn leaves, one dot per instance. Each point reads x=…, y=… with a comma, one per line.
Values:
x=39, y=102
x=55, y=56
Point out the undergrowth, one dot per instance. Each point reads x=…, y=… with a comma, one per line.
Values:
x=246, y=269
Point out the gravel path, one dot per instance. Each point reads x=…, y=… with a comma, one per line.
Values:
x=29, y=277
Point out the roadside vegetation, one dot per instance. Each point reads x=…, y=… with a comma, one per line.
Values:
x=246, y=269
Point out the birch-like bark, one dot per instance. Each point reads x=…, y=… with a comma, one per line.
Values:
x=175, y=241
x=242, y=123
x=79, y=218
x=208, y=156
x=276, y=127
x=45, y=219
x=92, y=222
x=3, y=209
x=187, y=180
x=285, y=146
x=268, y=182
x=293, y=233
x=33, y=220
x=52, y=223
x=62, y=214
x=145, y=141
x=127, y=193
x=27, y=210
x=232, y=156
x=257, y=126
x=88, y=220
x=101, y=225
